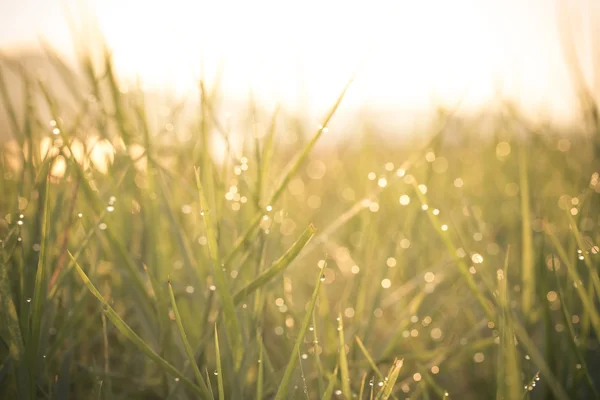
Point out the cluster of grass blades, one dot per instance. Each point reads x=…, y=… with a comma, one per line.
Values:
x=136, y=263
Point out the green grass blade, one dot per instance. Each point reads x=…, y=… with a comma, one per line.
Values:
x=573, y=336
x=231, y=320
x=343, y=359
x=188, y=349
x=331, y=385
x=508, y=358
x=392, y=377
x=293, y=170
x=585, y=298
x=219, y=369
x=593, y=272
x=39, y=295
x=361, y=392
x=552, y=381
x=261, y=370
x=282, y=391
x=9, y=328
x=287, y=177
x=527, y=255
x=277, y=267
x=462, y=266
x=372, y=364
x=133, y=337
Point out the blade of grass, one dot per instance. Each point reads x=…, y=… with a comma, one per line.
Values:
x=288, y=175
x=390, y=380
x=538, y=359
x=39, y=296
x=277, y=267
x=108, y=393
x=527, y=256
x=282, y=391
x=331, y=385
x=362, y=386
x=462, y=267
x=320, y=373
x=509, y=378
x=231, y=320
x=365, y=352
x=188, y=349
x=10, y=328
x=133, y=337
x=573, y=339
x=588, y=303
x=593, y=272
x=261, y=370
x=219, y=369
x=343, y=359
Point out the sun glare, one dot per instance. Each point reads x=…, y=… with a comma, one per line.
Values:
x=415, y=53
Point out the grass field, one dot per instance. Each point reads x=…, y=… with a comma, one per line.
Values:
x=459, y=263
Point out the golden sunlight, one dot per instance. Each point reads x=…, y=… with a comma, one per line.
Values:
x=417, y=53
x=413, y=55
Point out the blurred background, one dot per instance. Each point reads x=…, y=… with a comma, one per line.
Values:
x=412, y=56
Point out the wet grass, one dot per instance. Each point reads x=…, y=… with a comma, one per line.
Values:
x=461, y=262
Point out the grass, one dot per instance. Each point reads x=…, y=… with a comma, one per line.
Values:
x=451, y=264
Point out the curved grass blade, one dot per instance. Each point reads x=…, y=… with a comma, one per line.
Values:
x=133, y=337
x=282, y=391
x=186, y=344
x=277, y=267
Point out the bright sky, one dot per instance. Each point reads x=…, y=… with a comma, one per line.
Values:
x=417, y=52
